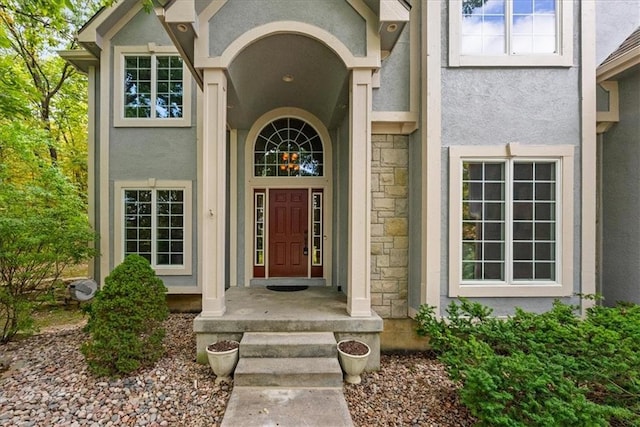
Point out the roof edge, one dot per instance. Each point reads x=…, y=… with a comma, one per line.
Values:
x=611, y=69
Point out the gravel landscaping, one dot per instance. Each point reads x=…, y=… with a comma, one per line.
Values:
x=48, y=384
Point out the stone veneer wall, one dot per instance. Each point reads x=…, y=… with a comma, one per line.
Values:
x=389, y=225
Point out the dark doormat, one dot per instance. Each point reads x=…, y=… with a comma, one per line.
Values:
x=290, y=288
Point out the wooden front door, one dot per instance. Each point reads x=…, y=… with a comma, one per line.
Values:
x=288, y=233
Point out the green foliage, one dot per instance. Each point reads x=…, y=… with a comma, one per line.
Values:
x=468, y=6
x=125, y=320
x=43, y=227
x=38, y=87
x=541, y=369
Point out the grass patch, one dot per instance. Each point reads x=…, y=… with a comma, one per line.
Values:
x=56, y=316
x=76, y=270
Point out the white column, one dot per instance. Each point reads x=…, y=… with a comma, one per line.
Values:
x=359, y=252
x=212, y=198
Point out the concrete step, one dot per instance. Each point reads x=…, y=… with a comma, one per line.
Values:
x=288, y=344
x=259, y=407
x=306, y=372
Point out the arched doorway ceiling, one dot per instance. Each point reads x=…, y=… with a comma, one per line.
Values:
x=286, y=70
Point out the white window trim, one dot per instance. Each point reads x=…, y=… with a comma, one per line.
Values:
x=153, y=184
x=564, y=57
x=320, y=209
x=564, y=284
x=265, y=223
x=118, y=102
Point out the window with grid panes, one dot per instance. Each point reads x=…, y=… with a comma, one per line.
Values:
x=509, y=221
x=288, y=147
x=510, y=32
x=153, y=86
x=154, y=225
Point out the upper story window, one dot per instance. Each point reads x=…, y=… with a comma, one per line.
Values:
x=510, y=32
x=153, y=87
x=288, y=147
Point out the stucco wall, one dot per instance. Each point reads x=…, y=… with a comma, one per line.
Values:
x=335, y=16
x=393, y=94
x=621, y=199
x=496, y=106
x=614, y=23
x=389, y=225
x=98, y=209
x=141, y=29
x=174, y=149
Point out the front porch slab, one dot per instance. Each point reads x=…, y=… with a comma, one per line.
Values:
x=316, y=309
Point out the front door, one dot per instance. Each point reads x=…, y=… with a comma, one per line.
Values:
x=288, y=232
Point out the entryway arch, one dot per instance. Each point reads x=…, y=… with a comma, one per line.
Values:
x=288, y=178
x=310, y=76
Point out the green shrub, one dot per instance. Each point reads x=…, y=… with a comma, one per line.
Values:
x=43, y=229
x=125, y=320
x=541, y=369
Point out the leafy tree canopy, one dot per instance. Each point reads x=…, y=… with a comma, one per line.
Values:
x=43, y=225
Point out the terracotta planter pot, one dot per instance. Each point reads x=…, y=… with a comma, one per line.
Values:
x=223, y=362
x=353, y=365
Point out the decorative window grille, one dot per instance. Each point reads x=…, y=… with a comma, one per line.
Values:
x=288, y=147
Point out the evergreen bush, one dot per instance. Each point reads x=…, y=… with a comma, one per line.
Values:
x=125, y=320
x=541, y=369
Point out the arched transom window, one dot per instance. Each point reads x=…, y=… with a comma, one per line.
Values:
x=288, y=147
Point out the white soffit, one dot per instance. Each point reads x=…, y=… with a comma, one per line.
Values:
x=393, y=11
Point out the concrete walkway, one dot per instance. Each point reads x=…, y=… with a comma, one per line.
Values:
x=261, y=407
x=288, y=373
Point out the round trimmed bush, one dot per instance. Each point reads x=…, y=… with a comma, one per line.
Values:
x=125, y=320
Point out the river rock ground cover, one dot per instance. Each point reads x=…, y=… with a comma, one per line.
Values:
x=47, y=383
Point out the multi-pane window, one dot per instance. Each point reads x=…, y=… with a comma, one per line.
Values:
x=288, y=147
x=483, y=221
x=316, y=221
x=153, y=86
x=509, y=27
x=154, y=225
x=259, y=230
x=509, y=221
x=510, y=32
x=511, y=226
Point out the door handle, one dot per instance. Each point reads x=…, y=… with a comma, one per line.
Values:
x=305, y=250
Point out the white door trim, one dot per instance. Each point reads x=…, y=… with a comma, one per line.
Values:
x=253, y=183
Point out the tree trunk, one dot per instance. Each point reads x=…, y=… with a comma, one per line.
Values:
x=45, y=112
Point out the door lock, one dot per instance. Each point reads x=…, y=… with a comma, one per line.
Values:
x=305, y=251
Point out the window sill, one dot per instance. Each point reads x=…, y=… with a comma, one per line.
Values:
x=512, y=290
x=147, y=123
x=510, y=61
x=166, y=271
